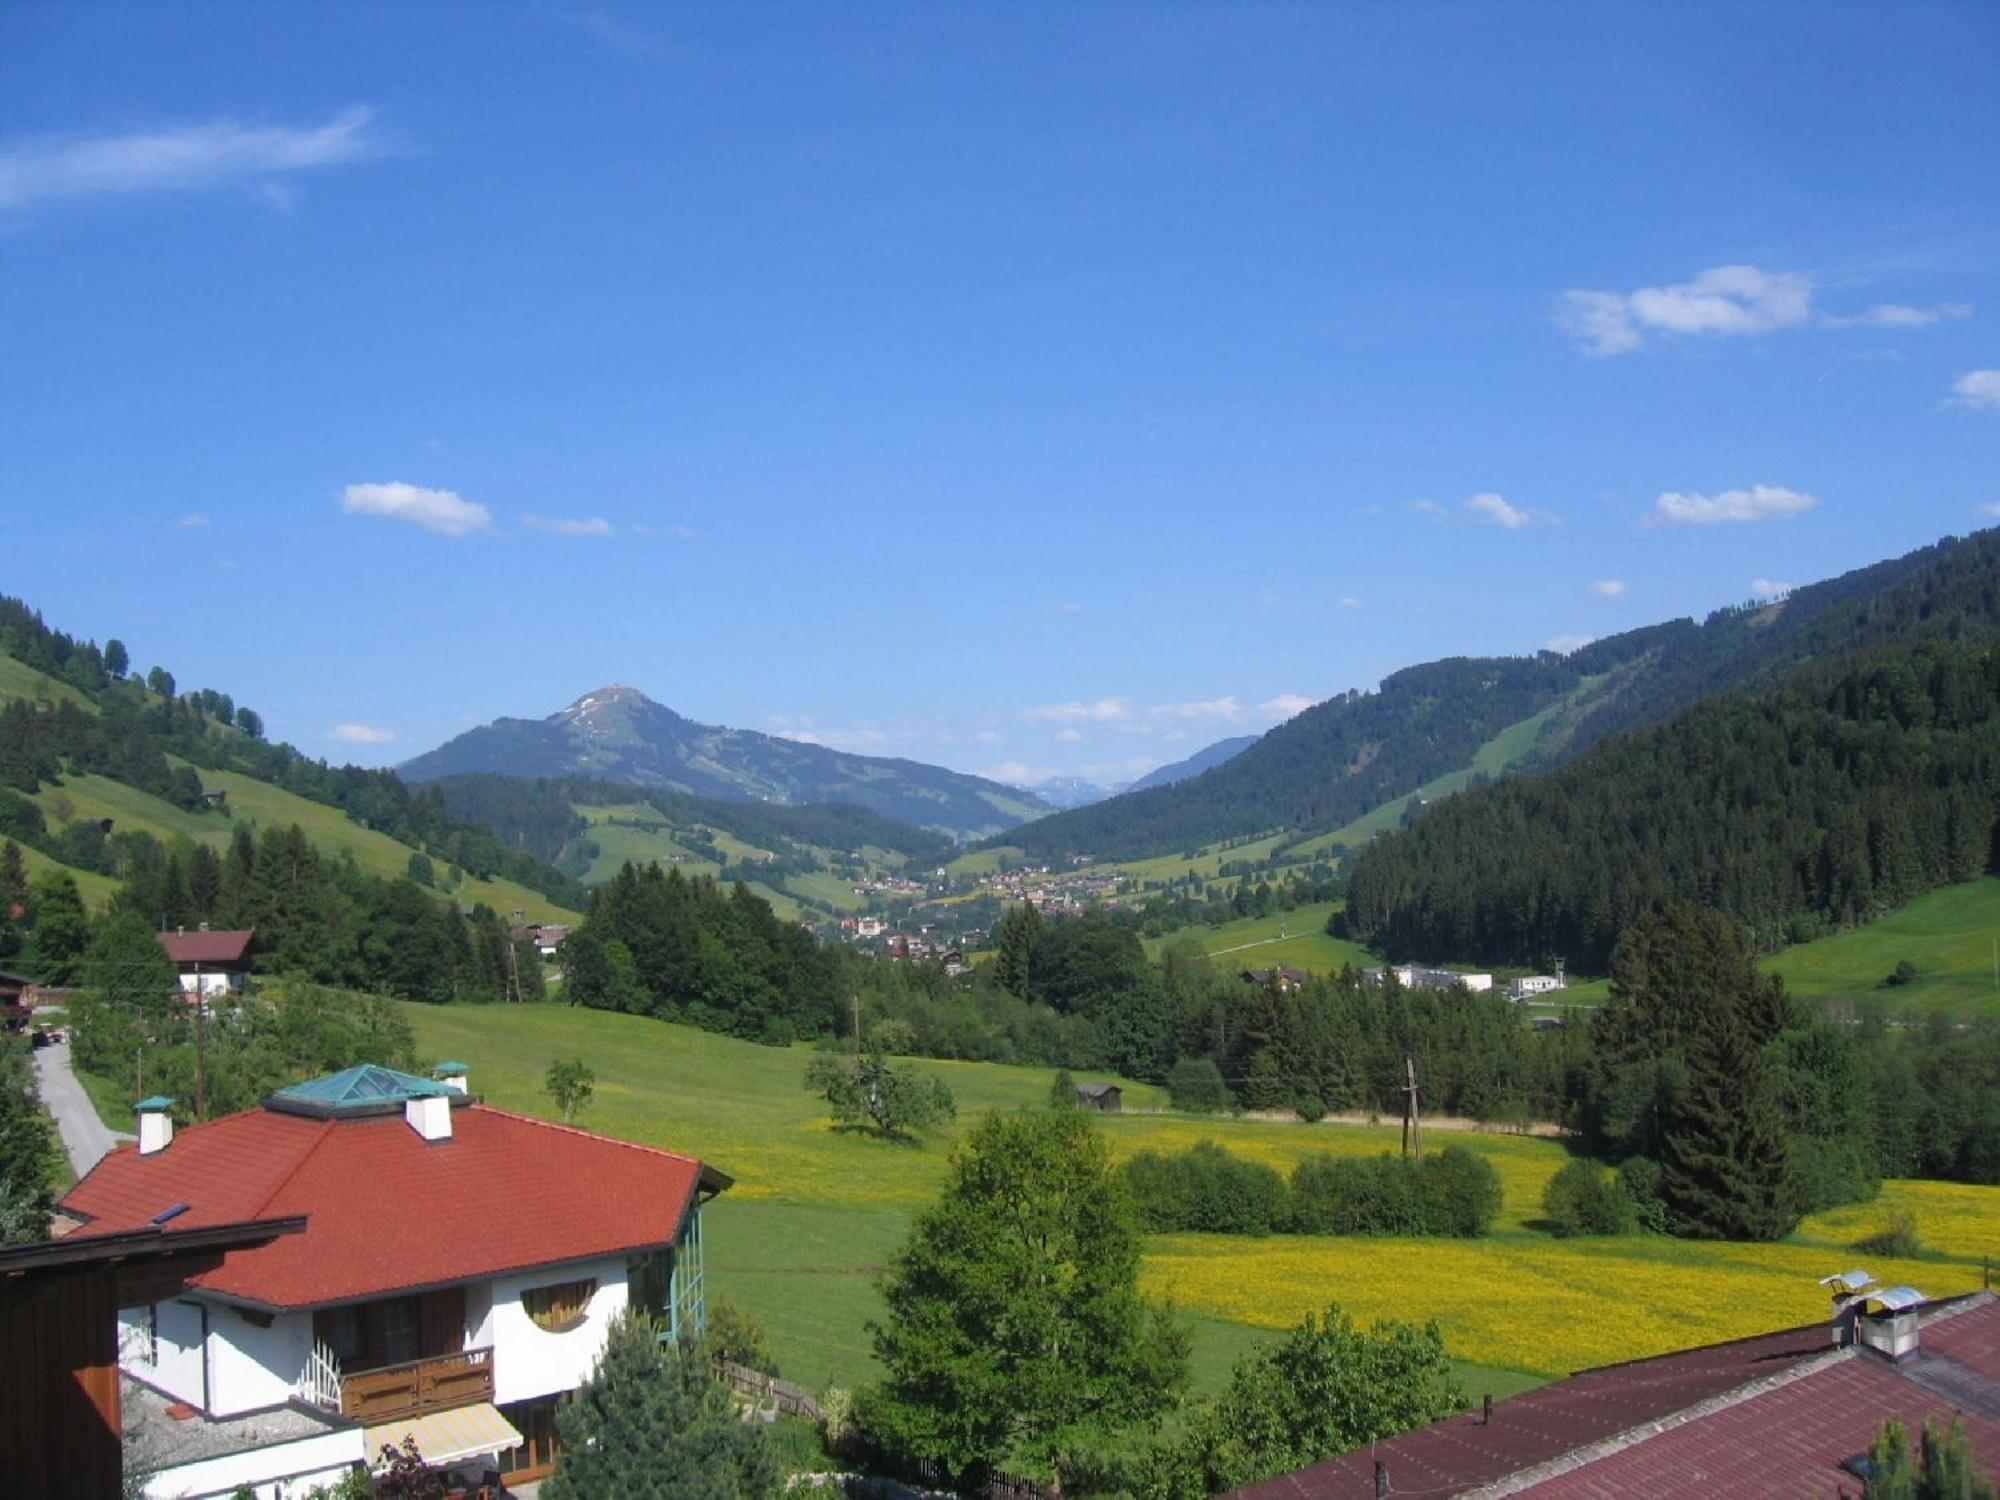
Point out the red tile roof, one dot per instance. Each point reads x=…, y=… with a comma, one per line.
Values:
x=229, y=947
x=1772, y=1415
x=388, y=1211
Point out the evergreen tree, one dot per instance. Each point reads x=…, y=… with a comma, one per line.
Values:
x=61, y=931
x=1726, y=1168
x=1018, y=936
x=29, y=1160
x=1015, y=1330
x=653, y=1423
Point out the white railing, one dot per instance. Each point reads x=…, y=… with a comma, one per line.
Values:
x=320, y=1384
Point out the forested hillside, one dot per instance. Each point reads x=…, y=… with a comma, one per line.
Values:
x=92, y=718
x=1356, y=752
x=1849, y=790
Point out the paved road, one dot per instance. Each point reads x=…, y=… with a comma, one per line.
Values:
x=83, y=1134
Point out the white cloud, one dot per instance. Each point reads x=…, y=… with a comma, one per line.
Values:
x=1284, y=706
x=1103, y=711
x=1017, y=773
x=1069, y=736
x=1428, y=507
x=1225, y=707
x=1769, y=588
x=1498, y=512
x=1608, y=588
x=990, y=736
x=1069, y=609
x=186, y=157
x=1563, y=645
x=1348, y=601
x=1761, y=502
x=363, y=734
x=1978, y=389
x=862, y=738
x=1899, y=315
x=1723, y=300
x=569, y=525
x=441, y=511
x=191, y=520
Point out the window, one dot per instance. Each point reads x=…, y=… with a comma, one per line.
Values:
x=561, y=1307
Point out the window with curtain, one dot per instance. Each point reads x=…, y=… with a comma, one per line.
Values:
x=559, y=1307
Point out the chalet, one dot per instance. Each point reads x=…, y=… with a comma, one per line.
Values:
x=210, y=963
x=1787, y=1413
x=1105, y=1098
x=215, y=797
x=1283, y=978
x=456, y=1275
x=15, y=1007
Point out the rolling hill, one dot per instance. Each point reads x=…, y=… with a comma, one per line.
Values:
x=1359, y=752
x=618, y=734
x=1202, y=760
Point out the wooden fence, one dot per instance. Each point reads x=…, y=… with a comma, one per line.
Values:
x=775, y=1394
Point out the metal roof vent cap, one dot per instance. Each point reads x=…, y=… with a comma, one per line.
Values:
x=156, y=1124
x=452, y=1075
x=1888, y=1321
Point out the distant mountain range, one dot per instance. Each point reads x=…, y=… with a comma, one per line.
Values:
x=1195, y=764
x=1433, y=729
x=619, y=734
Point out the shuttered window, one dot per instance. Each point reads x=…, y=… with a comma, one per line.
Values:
x=560, y=1307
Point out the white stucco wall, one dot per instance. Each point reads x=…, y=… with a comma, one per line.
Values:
x=175, y=1366
x=528, y=1362
x=283, y=1471
x=250, y=1368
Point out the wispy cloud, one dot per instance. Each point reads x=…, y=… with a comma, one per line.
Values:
x=1349, y=601
x=1978, y=389
x=990, y=736
x=1762, y=502
x=1492, y=510
x=191, y=520
x=441, y=511
x=180, y=158
x=1284, y=706
x=1103, y=711
x=362, y=734
x=1069, y=736
x=1769, y=588
x=569, y=525
x=1225, y=707
x=1427, y=507
x=1608, y=588
x=1069, y=608
x=1721, y=302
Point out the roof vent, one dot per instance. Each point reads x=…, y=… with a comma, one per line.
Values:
x=429, y=1116
x=451, y=1075
x=156, y=1124
x=1888, y=1321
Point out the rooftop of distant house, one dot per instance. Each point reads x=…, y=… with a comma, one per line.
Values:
x=1786, y=1413
x=206, y=946
x=388, y=1208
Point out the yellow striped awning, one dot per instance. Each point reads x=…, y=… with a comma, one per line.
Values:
x=446, y=1436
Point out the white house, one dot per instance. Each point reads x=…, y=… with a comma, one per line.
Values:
x=456, y=1276
x=1417, y=977
x=1529, y=986
x=210, y=963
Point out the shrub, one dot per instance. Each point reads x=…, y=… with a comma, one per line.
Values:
x=1461, y=1192
x=1311, y=1108
x=1583, y=1198
x=1062, y=1092
x=1207, y=1190
x=734, y=1335
x=1898, y=1238
x=1639, y=1180
x=1904, y=973
x=1196, y=1085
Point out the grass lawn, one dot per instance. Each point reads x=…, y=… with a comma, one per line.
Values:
x=19, y=680
x=1948, y=936
x=90, y=798
x=1294, y=938
x=816, y=1213
x=96, y=890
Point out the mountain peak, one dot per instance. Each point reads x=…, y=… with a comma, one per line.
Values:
x=596, y=701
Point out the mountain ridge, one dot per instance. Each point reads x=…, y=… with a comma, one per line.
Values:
x=617, y=733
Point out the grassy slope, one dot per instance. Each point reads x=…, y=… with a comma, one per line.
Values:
x=97, y=890
x=1948, y=935
x=1296, y=938
x=19, y=680
x=816, y=1214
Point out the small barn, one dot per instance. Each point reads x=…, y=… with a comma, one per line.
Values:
x=1105, y=1098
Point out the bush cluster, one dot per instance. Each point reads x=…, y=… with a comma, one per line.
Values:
x=1583, y=1198
x=1205, y=1189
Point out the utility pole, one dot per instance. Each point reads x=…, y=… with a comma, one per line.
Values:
x=513, y=970
x=1413, y=1124
x=200, y=1077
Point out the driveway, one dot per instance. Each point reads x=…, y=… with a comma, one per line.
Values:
x=84, y=1136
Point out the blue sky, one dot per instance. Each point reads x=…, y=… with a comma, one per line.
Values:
x=1024, y=389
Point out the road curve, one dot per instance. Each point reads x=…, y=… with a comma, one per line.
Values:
x=84, y=1136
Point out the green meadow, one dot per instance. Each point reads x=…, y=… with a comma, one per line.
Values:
x=1295, y=939
x=816, y=1214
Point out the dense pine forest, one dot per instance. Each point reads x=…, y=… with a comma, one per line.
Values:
x=1850, y=790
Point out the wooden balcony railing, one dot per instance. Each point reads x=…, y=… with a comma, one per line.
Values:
x=421, y=1385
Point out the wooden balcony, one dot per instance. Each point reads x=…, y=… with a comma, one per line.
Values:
x=418, y=1386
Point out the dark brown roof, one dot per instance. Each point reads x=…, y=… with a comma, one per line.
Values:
x=1098, y=1090
x=232, y=947
x=1771, y=1415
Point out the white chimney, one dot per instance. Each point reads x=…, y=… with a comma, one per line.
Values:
x=451, y=1075
x=156, y=1124
x=430, y=1116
